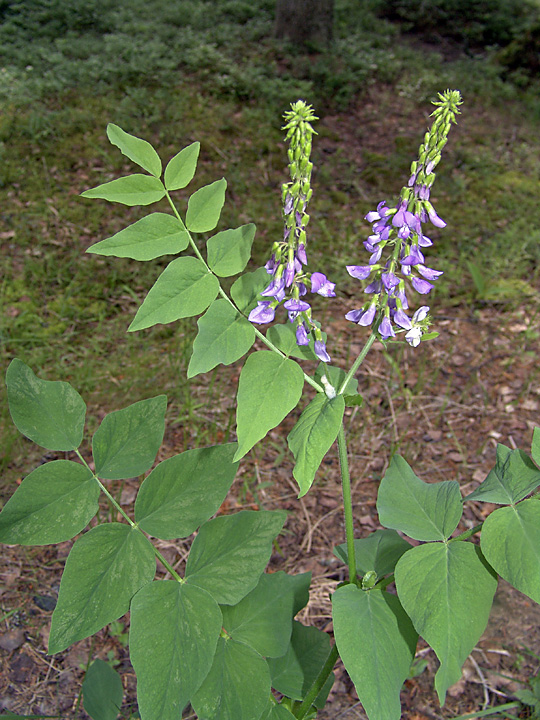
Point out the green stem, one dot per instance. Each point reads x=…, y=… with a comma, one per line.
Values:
x=224, y=295
x=126, y=517
x=318, y=685
x=467, y=534
x=347, y=502
x=359, y=360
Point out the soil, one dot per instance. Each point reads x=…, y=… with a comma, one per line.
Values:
x=452, y=401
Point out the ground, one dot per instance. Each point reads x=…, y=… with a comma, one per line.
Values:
x=444, y=405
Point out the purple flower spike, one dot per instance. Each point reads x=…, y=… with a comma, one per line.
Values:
x=354, y=315
x=301, y=254
x=402, y=319
x=320, y=351
x=360, y=272
x=367, y=317
x=302, y=337
x=295, y=305
x=321, y=285
x=421, y=286
x=385, y=328
x=428, y=273
x=263, y=313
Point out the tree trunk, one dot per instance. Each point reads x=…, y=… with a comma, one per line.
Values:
x=305, y=21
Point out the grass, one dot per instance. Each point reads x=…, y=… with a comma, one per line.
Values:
x=175, y=74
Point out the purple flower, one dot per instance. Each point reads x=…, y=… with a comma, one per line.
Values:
x=302, y=337
x=424, y=241
x=421, y=286
x=376, y=255
x=321, y=285
x=288, y=204
x=399, y=218
x=428, y=273
x=385, y=328
x=414, y=257
x=390, y=281
x=367, y=317
x=435, y=219
x=301, y=253
x=360, y=272
x=320, y=351
x=295, y=305
x=289, y=275
x=402, y=319
x=354, y=315
x=374, y=287
x=275, y=287
x=263, y=313
x=420, y=314
x=271, y=265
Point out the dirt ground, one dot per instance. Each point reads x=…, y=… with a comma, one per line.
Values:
x=453, y=400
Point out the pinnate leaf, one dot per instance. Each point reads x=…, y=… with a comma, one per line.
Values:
x=513, y=478
x=181, y=168
x=155, y=235
x=379, y=551
x=313, y=435
x=237, y=686
x=295, y=672
x=224, y=336
x=102, y=691
x=447, y=590
x=263, y=619
x=184, y=491
x=510, y=541
x=376, y=642
x=105, y=568
x=270, y=387
x=49, y=412
x=204, y=207
x=136, y=149
x=127, y=441
x=230, y=553
x=423, y=511
x=173, y=636
x=131, y=190
x=52, y=504
x=230, y=250
x=185, y=288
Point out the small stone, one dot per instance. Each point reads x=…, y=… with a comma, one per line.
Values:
x=12, y=640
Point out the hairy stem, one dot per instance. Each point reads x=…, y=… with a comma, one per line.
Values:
x=318, y=685
x=359, y=360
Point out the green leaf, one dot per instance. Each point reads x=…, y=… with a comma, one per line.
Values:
x=300, y=584
x=173, y=636
x=181, y=168
x=313, y=435
x=336, y=376
x=131, y=190
x=513, y=478
x=277, y=712
x=105, y=568
x=376, y=642
x=295, y=672
x=510, y=541
x=102, y=691
x=447, y=590
x=230, y=553
x=184, y=491
x=284, y=337
x=246, y=289
x=136, y=149
x=204, y=207
x=379, y=551
x=185, y=288
x=270, y=387
x=230, y=250
x=155, y=235
x=52, y=504
x=127, y=441
x=224, y=336
x=535, y=447
x=237, y=686
x=263, y=619
x=354, y=400
x=49, y=412
x=421, y=510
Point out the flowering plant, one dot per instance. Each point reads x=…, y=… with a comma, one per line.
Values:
x=222, y=637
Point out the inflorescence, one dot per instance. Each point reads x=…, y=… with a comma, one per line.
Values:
x=399, y=231
x=290, y=280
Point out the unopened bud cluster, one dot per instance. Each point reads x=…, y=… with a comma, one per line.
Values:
x=290, y=280
x=397, y=243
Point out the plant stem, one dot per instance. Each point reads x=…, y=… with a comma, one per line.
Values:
x=134, y=525
x=359, y=360
x=347, y=502
x=224, y=295
x=467, y=534
x=318, y=685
